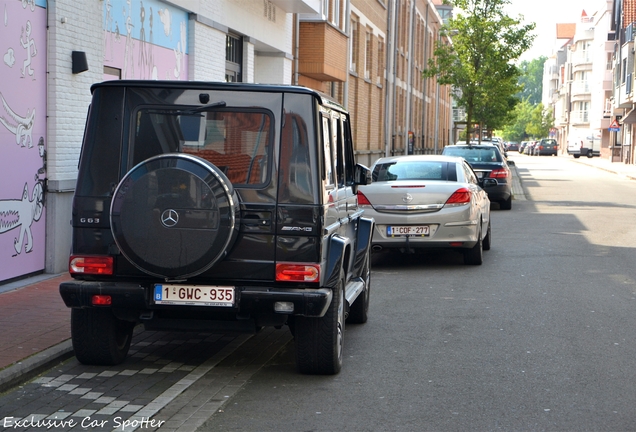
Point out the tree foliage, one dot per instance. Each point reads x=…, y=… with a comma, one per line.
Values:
x=529, y=121
x=479, y=63
x=531, y=80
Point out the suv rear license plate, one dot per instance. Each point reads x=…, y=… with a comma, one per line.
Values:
x=194, y=295
x=410, y=230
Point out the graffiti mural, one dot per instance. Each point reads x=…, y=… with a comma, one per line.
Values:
x=138, y=50
x=22, y=125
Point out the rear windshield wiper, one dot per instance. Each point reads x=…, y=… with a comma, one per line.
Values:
x=208, y=107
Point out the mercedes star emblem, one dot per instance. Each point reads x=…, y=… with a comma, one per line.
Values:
x=169, y=218
x=407, y=198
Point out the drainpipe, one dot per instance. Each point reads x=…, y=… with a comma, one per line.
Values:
x=396, y=18
x=296, y=42
x=409, y=80
x=425, y=79
x=345, y=90
x=388, y=106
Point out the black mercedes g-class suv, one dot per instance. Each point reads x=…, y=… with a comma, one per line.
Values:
x=217, y=207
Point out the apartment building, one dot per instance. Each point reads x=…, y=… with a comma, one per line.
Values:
x=589, y=81
x=367, y=54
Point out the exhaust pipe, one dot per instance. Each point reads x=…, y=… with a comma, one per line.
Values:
x=376, y=248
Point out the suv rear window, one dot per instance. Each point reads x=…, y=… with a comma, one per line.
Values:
x=237, y=141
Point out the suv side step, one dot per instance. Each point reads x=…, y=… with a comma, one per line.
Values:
x=353, y=289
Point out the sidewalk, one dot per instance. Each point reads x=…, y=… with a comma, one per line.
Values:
x=35, y=325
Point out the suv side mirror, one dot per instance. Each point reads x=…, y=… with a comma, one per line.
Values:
x=361, y=175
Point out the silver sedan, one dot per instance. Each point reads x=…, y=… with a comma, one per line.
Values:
x=427, y=201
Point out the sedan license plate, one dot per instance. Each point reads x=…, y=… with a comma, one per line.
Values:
x=408, y=230
x=194, y=295
x=480, y=174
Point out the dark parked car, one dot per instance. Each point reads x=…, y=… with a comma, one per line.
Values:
x=512, y=146
x=546, y=147
x=217, y=207
x=522, y=146
x=487, y=162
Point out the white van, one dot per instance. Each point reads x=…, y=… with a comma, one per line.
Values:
x=584, y=142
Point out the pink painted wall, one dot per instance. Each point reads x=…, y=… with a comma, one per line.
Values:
x=22, y=137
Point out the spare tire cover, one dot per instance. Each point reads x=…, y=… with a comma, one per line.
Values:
x=174, y=215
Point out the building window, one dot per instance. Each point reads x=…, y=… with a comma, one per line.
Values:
x=353, y=49
x=368, y=55
x=233, y=58
x=336, y=13
x=380, y=61
x=325, y=9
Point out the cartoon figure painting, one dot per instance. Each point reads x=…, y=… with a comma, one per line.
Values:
x=29, y=45
x=153, y=42
x=21, y=127
x=21, y=214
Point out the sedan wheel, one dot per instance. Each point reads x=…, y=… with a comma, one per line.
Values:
x=475, y=255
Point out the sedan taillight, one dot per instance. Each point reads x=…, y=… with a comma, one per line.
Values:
x=363, y=200
x=499, y=173
x=459, y=197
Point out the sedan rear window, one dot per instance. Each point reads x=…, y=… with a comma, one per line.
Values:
x=473, y=154
x=412, y=170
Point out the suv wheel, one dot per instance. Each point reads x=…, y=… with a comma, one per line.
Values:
x=99, y=338
x=359, y=310
x=174, y=216
x=319, y=341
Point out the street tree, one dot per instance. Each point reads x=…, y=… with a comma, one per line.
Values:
x=532, y=79
x=479, y=61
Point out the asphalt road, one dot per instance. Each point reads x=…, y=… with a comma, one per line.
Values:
x=540, y=337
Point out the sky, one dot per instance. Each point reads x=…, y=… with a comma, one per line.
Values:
x=546, y=14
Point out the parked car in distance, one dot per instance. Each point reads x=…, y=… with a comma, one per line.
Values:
x=487, y=162
x=522, y=146
x=529, y=149
x=428, y=201
x=546, y=147
x=218, y=207
x=512, y=146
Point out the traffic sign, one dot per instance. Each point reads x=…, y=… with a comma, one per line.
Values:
x=614, y=126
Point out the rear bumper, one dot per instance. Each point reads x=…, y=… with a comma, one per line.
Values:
x=501, y=192
x=249, y=300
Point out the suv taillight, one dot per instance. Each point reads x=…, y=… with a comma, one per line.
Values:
x=499, y=173
x=297, y=272
x=101, y=265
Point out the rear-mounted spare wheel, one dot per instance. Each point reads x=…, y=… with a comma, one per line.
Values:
x=174, y=215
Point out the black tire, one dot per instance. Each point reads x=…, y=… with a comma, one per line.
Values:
x=99, y=338
x=319, y=341
x=475, y=255
x=174, y=216
x=590, y=155
x=359, y=310
x=507, y=204
x=488, y=239
x=576, y=156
